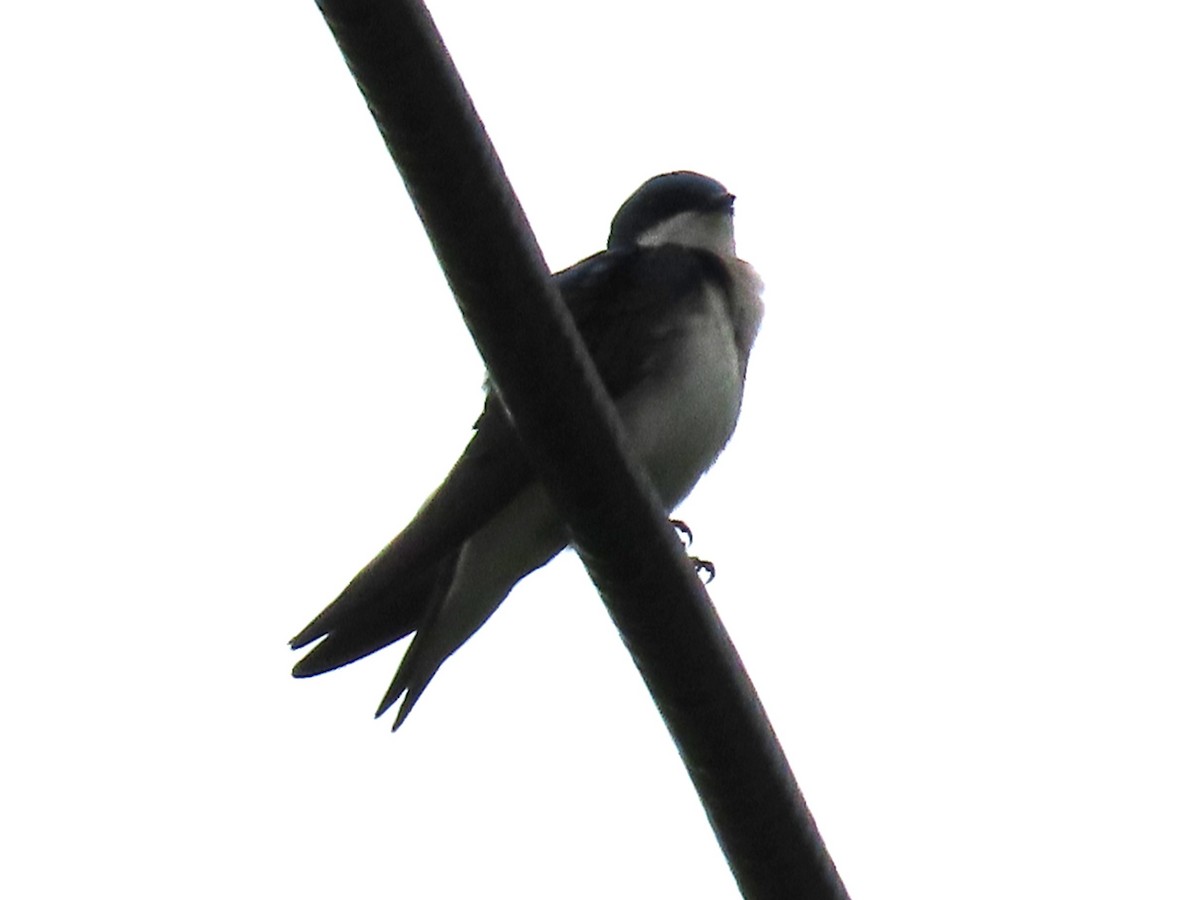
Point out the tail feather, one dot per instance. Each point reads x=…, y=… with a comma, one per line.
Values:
x=414, y=672
x=392, y=578
x=369, y=615
x=410, y=681
x=407, y=681
x=410, y=699
x=344, y=646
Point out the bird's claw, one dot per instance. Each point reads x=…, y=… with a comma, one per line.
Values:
x=682, y=527
x=704, y=565
x=700, y=565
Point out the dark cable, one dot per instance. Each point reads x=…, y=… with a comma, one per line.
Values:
x=537, y=361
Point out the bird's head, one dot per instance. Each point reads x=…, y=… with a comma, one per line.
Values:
x=676, y=208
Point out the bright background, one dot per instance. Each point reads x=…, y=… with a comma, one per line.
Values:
x=957, y=532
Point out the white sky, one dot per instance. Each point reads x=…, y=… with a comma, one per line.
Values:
x=956, y=533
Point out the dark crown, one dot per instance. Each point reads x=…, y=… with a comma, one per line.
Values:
x=662, y=197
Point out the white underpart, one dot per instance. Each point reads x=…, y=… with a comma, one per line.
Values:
x=676, y=424
x=702, y=230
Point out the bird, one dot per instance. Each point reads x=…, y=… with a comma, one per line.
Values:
x=669, y=314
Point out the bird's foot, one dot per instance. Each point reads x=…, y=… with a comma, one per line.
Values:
x=704, y=565
x=701, y=565
x=684, y=532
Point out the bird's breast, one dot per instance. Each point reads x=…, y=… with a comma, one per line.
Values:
x=678, y=422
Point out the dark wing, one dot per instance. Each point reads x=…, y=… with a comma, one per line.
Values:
x=390, y=597
x=627, y=304
x=616, y=300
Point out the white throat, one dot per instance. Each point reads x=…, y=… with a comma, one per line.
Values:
x=711, y=231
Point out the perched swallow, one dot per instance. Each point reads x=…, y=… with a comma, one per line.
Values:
x=669, y=314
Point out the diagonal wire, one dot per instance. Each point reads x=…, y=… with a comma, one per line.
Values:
x=572, y=435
